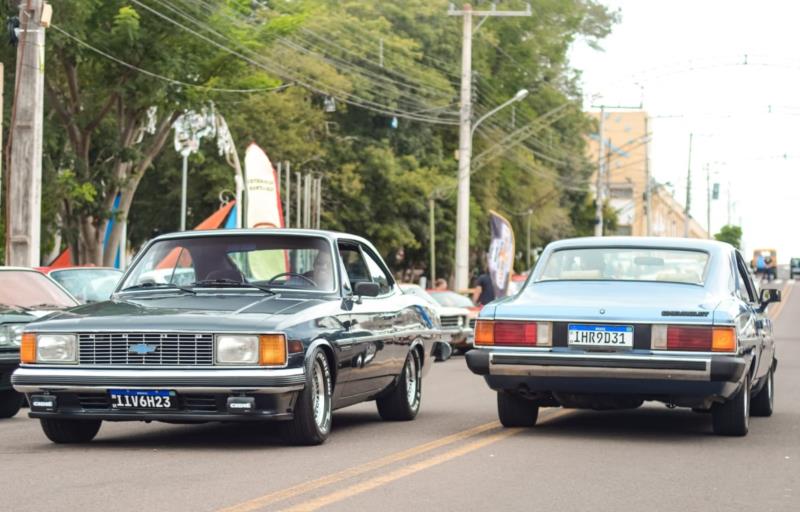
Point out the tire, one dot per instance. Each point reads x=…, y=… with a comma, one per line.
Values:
x=515, y=411
x=313, y=411
x=70, y=431
x=403, y=401
x=762, y=404
x=10, y=403
x=732, y=417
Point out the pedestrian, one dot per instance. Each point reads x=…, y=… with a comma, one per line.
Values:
x=440, y=285
x=483, y=293
x=760, y=266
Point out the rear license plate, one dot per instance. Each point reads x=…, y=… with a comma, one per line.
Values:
x=600, y=336
x=142, y=399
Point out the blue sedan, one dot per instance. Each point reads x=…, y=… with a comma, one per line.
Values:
x=608, y=323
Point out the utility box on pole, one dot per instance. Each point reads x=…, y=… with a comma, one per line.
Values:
x=24, y=182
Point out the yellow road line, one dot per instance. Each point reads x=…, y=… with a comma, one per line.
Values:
x=305, y=487
x=785, y=294
x=378, y=481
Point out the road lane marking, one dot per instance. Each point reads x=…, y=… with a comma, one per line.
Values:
x=435, y=460
x=785, y=294
x=305, y=487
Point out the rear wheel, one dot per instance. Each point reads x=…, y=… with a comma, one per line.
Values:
x=70, y=431
x=312, y=412
x=10, y=403
x=763, y=401
x=402, y=403
x=732, y=418
x=515, y=411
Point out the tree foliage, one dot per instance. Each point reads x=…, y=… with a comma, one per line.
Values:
x=387, y=150
x=730, y=234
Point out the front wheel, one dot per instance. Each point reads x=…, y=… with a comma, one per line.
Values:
x=515, y=411
x=70, y=431
x=732, y=418
x=763, y=402
x=402, y=403
x=312, y=412
x=10, y=403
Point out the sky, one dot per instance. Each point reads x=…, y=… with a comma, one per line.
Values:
x=727, y=72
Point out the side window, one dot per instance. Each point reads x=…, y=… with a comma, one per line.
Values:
x=377, y=273
x=744, y=284
x=354, y=264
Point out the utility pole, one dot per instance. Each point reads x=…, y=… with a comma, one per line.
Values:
x=687, y=210
x=288, y=213
x=708, y=200
x=648, y=187
x=599, y=195
x=24, y=183
x=465, y=135
x=528, y=256
x=432, y=240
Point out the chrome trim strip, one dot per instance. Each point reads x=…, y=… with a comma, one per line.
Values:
x=180, y=389
x=605, y=321
x=566, y=370
x=33, y=371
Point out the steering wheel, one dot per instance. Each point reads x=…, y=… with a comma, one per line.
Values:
x=293, y=274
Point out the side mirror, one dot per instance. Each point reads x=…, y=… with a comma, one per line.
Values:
x=442, y=351
x=367, y=289
x=767, y=297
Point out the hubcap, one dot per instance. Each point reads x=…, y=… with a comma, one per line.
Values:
x=319, y=389
x=412, y=381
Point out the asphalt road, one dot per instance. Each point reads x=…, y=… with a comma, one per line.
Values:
x=453, y=457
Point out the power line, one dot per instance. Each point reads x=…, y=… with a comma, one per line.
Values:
x=162, y=77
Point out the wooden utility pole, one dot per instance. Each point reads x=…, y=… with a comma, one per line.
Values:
x=24, y=184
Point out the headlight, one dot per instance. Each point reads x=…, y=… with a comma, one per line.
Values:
x=55, y=348
x=11, y=334
x=263, y=350
x=237, y=349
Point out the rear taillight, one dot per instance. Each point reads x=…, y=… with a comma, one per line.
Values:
x=693, y=338
x=512, y=333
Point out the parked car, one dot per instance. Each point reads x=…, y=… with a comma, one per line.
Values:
x=449, y=298
x=794, y=268
x=454, y=320
x=25, y=295
x=608, y=323
x=87, y=284
x=283, y=325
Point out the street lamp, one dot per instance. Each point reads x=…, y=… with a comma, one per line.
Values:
x=189, y=128
x=462, y=203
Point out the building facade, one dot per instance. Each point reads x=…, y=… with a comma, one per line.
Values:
x=626, y=178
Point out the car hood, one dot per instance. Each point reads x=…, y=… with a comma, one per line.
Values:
x=609, y=302
x=201, y=313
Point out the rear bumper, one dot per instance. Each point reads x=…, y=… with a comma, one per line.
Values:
x=700, y=376
x=458, y=336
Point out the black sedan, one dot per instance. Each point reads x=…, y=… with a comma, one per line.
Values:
x=234, y=325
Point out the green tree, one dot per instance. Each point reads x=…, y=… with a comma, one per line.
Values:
x=730, y=234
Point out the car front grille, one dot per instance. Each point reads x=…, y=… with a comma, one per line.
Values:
x=472, y=322
x=146, y=349
x=451, y=321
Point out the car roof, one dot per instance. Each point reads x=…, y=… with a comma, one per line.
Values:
x=643, y=241
x=332, y=235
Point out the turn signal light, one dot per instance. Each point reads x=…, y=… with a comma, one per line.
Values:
x=27, y=350
x=272, y=350
x=724, y=339
x=484, y=332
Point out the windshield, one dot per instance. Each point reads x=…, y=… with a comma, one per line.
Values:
x=452, y=299
x=279, y=261
x=28, y=289
x=626, y=264
x=88, y=284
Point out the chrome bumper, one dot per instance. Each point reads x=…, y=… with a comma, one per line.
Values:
x=550, y=364
x=28, y=379
x=457, y=334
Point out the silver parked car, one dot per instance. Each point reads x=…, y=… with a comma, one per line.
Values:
x=609, y=323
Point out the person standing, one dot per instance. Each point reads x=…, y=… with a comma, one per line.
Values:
x=483, y=293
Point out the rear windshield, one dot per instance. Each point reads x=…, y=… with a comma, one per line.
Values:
x=626, y=264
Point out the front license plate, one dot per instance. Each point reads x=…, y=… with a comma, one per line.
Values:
x=142, y=399
x=600, y=336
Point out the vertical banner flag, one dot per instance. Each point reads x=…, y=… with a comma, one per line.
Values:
x=501, y=253
x=263, y=210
